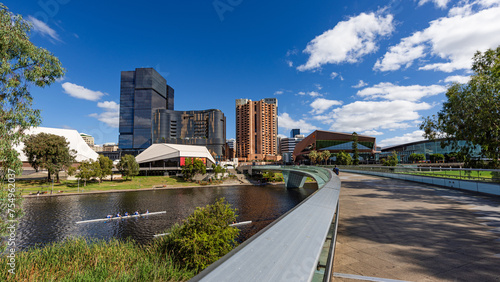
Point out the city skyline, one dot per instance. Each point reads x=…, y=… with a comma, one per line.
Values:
x=376, y=69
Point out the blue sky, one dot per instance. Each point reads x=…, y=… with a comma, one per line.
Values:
x=374, y=67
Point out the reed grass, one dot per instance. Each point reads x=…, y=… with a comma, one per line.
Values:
x=78, y=259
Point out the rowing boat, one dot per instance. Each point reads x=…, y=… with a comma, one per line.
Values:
x=121, y=217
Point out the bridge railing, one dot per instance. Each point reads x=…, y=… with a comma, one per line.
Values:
x=299, y=246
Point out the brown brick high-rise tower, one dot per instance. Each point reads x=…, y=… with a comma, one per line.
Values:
x=257, y=129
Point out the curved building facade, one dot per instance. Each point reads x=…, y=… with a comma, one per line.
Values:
x=334, y=142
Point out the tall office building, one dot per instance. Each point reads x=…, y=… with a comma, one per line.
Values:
x=294, y=132
x=147, y=116
x=142, y=92
x=257, y=129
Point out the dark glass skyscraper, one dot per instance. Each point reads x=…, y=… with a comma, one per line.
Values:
x=147, y=116
x=294, y=132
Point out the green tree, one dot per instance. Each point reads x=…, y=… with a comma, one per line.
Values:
x=414, y=157
x=50, y=152
x=22, y=64
x=355, y=152
x=105, y=167
x=325, y=155
x=392, y=160
x=471, y=112
x=86, y=170
x=71, y=170
x=192, y=167
x=343, y=158
x=202, y=238
x=128, y=166
x=436, y=158
x=313, y=156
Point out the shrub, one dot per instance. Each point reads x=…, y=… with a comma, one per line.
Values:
x=202, y=238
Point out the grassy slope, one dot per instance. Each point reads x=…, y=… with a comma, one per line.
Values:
x=78, y=260
x=71, y=186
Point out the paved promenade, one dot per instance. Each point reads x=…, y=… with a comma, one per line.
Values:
x=392, y=229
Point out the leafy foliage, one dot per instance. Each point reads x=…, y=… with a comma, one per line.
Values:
x=313, y=156
x=50, y=152
x=355, y=152
x=325, y=155
x=192, y=167
x=472, y=111
x=105, y=167
x=414, y=157
x=392, y=160
x=87, y=170
x=436, y=158
x=343, y=158
x=21, y=64
x=202, y=238
x=128, y=166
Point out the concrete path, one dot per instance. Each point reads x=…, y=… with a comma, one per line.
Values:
x=397, y=230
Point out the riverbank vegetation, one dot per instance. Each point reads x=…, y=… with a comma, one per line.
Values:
x=73, y=186
x=201, y=239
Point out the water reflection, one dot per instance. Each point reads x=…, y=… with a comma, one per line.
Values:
x=50, y=219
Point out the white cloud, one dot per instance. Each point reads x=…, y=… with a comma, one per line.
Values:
x=438, y=3
x=360, y=84
x=111, y=114
x=371, y=115
x=286, y=122
x=43, y=28
x=372, y=133
x=289, y=63
x=389, y=91
x=457, y=78
x=406, y=138
x=301, y=93
x=453, y=39
x=314, y=94
x=279, y=92
x=320, y=105
x=318, y=86
x=81, y=92
x=348, y=41
x=333, y=75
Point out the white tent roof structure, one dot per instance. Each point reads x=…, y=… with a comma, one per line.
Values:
x=164, y=151
x=76, y=142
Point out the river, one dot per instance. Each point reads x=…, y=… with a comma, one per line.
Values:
x=52, y=219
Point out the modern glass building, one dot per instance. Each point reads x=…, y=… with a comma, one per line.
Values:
x=206, y=128
x=294, y=132
x=334, y=142
x=426, y=147
x=147, y=116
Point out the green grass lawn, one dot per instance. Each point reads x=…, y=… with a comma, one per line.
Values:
x=71, y=186
x=472, y=175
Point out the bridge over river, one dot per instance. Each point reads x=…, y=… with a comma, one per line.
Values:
x=388, y=230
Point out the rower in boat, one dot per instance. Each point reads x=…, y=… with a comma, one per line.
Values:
x=136, y=213
x=118, y=215
x=109, y=216
x=126, y=213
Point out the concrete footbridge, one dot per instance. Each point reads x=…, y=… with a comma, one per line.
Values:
x=299, y=246
x=295, y=176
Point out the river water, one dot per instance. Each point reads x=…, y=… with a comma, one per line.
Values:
x=51, y=219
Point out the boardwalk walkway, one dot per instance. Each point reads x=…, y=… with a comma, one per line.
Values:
x=399, y=230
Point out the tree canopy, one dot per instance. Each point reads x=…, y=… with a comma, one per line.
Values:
x=128, y=166
x=50, y=152
x=22, y=64
x=472, y=111
x=343, y=158
x=192, y=167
